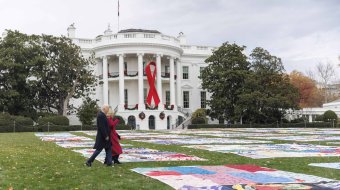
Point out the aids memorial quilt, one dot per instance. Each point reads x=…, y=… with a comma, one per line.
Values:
x=273, y=150
x=143, y=155
x=227, y=176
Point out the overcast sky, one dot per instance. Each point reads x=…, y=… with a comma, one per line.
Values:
x=301, y=32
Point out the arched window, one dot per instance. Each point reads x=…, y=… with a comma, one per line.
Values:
x=168, y=122
x=152, y=125
x=132, y=121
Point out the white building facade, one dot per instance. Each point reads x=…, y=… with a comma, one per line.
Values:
x=311, y=113
x=122, y=83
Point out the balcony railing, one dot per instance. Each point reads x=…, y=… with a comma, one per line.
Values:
x=152, y=107
x=113, y=74
x=131, y=73
x=147, y=107
x=131, y=107
x=165, y=75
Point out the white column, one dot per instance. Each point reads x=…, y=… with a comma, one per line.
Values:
x=178, y=82
x=98, y=87
x=141, y=105
x=310, y=118
x=172, y=82
x=105, y=81
x=121, y=82
x=159, y=81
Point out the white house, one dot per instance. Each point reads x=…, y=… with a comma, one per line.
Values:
x=311, y=113
x=122, y=83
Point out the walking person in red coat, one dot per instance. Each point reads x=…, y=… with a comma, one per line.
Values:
x=116, y=148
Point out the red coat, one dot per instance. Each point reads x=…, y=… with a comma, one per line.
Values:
x=116, y=148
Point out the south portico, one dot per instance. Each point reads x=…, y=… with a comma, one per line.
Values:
x=122, y=82
x=125, y=73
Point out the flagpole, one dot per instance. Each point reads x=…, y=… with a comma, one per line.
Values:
x=118, y=16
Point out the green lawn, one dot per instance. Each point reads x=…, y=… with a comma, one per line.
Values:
x=29, y=163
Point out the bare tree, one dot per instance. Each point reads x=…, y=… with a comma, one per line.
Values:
x=326, y=73
x=310, y=74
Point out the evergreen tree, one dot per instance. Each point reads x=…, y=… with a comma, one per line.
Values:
x=87, y=111
x=224, y=78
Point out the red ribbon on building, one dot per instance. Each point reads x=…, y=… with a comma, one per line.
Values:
x=151, y=80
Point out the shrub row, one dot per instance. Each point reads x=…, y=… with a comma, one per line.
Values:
x=10, y=128
x=198, y=120
x=8, y=120
x=45, y=128
x=283, y=125
x=56, y=120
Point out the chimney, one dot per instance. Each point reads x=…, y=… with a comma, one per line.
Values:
x=182, y=38
x=108, y=31
x=71, y=31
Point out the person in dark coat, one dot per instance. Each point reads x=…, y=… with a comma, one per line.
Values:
x=103, y=140
x=115, y=137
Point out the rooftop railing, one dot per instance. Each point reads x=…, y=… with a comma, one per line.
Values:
x=114, y=37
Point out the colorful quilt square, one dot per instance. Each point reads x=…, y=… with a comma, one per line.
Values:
x=252, y=177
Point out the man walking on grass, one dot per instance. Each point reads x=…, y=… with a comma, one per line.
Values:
x=103, y=138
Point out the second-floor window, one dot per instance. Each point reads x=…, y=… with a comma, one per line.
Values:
x=144, y=65
x=185, y=71
x=125, y=66
x=145, y=94
x=201, y=68
x=167, y=69
x=126, y=97
x=167, y=97
x=203, y=99
x=186, y=99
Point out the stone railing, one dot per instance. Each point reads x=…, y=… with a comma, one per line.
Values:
x=121, y=36
x=197, y=48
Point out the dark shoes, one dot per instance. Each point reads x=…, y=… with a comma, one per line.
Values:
x=115, y=159
x=117, y=162
x=88, y=164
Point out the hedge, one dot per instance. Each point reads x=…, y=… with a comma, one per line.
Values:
x=5, y=119
x=51, y=128
x=283, y=125
x=18, y=128
x=319, y=118
x=56, y=120
x=8, y=120
x=198, y=120
x=20, y=120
